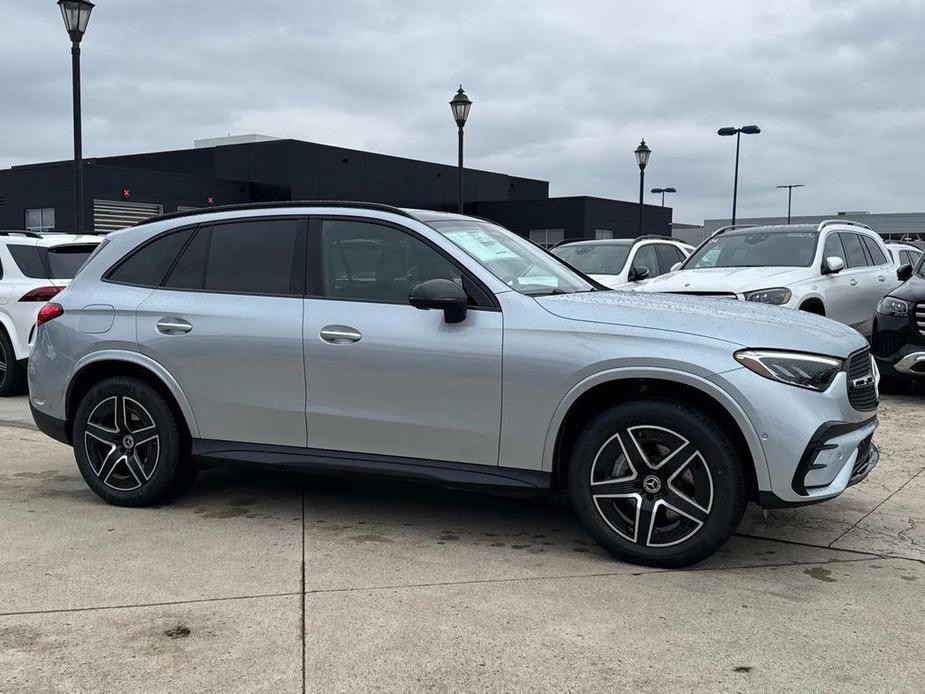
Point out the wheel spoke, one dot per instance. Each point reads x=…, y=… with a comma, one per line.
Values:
x=619, y=487
x=122, y=416
x=677, y=460
x=682, y=504
x=103, y=435
x=645, y=517
x=134, y=466
x=109, y=464
x=634, y=453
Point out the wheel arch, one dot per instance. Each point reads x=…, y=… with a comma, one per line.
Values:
x=109, y=364
x=813, y=304
x=596, y=394
x=7, y=326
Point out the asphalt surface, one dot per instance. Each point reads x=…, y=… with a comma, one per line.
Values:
x=279, y=582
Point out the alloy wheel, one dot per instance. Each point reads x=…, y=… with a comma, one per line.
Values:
x=3, y=366
x=122, y=443
x=652, y=486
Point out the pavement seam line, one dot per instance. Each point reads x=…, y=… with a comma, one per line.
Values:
x=869, y=513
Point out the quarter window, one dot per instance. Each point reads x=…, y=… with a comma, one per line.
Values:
x=148, y=265
x=372, y=262
x=853, y=250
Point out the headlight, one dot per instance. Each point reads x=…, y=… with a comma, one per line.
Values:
x=891, y=306
x=776, y=296
x=804, y=370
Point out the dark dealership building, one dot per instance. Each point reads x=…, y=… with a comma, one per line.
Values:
x=123, y=190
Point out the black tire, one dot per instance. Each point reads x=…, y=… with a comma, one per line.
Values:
x=12, y=375
x=696, y=471
x=113, y=445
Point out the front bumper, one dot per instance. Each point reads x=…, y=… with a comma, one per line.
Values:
x=815, y=444
x=898, y=345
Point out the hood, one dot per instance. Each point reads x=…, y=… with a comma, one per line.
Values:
x=742, y=323
x=912, y=290
x=726, y=279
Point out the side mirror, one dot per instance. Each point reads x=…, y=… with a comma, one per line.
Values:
x=638, y=273
x=833, y=265
x=676, y=267
x=441, y=294
x=904, y=272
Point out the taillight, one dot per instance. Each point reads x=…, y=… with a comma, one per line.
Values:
x=42, y=294
x=49, y=312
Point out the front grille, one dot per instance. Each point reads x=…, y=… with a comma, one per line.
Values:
x=886, y=344
x=920, y=317
x=862, y=388
x=863, y=460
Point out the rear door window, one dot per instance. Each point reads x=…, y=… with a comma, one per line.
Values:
x=876, y=255
x=56, y=263
x=260, y=257
x=854, y=250
x=668, y=256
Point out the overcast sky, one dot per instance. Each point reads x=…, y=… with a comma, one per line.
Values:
x=563, y=91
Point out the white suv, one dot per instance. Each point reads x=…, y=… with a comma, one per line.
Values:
x=624, y=263
x=839, y=269
x=34, y=267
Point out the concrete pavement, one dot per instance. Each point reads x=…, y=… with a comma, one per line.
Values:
x=279, y=582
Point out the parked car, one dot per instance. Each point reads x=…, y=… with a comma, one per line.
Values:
x=904, y=254
x=838, y=269
x=623, y=263
x=898, y=342
x=369, y=339
x=34, y=267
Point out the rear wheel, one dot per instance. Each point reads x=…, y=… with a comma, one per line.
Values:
x=128, y=444
x=12, y=375
x=657, y=482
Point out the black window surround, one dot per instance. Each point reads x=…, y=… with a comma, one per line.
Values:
x=311, y=274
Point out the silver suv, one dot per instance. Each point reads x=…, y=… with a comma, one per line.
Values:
x=415, y=344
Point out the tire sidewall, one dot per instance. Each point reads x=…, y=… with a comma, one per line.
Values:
x=162, y=481
x=718, y=453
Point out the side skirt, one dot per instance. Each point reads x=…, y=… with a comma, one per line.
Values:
x=316, y=460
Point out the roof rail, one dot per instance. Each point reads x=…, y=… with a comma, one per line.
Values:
x=660, y=237
x=850, y=222
x=30, y=234
x=241, y=207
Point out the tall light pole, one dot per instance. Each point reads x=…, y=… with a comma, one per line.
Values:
x=460, y=105
x=726, y=132
x=663, y=191
x=790, y=187
x=642, y=158
x=76, y=14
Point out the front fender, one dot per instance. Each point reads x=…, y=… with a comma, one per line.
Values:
x=702, y=383
x=147, y=363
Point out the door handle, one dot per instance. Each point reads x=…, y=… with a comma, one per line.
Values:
x=881, y=278
x=340, y=334
x=854, y=283
x=173, y=326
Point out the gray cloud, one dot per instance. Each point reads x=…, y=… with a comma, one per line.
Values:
x=563, y=91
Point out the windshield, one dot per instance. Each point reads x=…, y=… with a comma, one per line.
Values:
x=595, y=259
x=512, y=259
x=756, y=249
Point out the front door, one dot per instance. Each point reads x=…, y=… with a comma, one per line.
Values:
x=385, y=378
x=227, y=324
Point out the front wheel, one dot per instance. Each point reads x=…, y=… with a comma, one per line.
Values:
x=657, y=482
x=12, y=375
x=128, y=445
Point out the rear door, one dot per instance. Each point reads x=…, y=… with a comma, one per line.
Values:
x=227, y=323
x=668, y=256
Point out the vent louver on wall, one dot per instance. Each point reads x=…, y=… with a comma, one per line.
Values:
x=110, y=215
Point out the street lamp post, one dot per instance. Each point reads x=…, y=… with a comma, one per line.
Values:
x=663, y=191
x=76, y=14
x=642, y=158
x=726, y=132
x=790, y=187
x=460, y=105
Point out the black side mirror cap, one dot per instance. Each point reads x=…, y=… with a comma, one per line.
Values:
x=441, y=294
x=904, y=272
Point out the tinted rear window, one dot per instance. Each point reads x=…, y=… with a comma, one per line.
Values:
x=252, y=257
x=149, y=264
x=62, y=263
